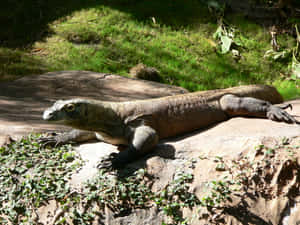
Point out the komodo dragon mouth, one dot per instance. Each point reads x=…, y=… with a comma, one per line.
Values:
x=49, y=116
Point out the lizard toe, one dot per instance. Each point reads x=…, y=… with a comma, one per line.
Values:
x=286, y=106
x=112, y=161
x=106, y=162
x=104, y=165
x=276, y=113
x=44, y=141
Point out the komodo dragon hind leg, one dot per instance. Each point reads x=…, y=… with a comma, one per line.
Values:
x=143, y=140
x=74, y=136
x=248, y=106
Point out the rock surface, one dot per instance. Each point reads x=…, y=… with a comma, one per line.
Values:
x=275, y=201
x=23, y=101
x=231, y=140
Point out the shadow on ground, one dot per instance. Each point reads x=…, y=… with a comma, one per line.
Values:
x=27, y=21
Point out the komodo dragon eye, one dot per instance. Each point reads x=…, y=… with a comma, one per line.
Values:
x=70, y=107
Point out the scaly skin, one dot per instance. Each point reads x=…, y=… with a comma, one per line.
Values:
x=140, y=124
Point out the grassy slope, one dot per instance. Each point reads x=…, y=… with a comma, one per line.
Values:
x=173, y=36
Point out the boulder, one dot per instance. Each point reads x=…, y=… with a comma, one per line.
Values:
x=23, y=101
x=230, y=140
x=272, y=193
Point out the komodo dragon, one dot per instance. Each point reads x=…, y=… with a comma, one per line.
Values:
x=140, y=124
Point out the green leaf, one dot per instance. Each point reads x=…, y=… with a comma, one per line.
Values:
x=226, y=44
x=218, y=33
x=296, y=67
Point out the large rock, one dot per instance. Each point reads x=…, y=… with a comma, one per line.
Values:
x=230, y=140
x=23, y=101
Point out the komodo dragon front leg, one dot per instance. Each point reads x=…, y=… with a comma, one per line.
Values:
x=143, y=140
x=73, y=136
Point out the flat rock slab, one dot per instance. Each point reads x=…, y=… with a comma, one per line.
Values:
x=23, y=101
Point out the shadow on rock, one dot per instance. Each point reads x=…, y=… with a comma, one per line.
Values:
x=242, y=213
x=163, y=152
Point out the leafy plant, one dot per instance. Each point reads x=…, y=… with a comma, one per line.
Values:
x=122, y=194
x=288, y=53
x=219, y=193
x=226, y=36
x=296, y=55
x=31, y=175
x=175, y=197
x=278, y=55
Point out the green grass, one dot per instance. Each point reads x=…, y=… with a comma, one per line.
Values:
x=16, y=63
x=173, y=36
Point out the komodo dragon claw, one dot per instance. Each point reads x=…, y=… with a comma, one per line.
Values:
x=51, y=140
x=107, y=162
x=117, y=160
x=285, y=106
x=277, y=113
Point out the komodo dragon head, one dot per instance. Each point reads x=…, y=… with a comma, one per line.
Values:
x=82, y=114
x=68, y=112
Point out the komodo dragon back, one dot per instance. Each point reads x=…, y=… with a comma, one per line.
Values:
x=259, y=91
x=263, y=92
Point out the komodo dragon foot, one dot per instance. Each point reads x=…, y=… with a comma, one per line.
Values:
x=51, y=139
x=277, y=113
x=117, y=160
x=73, y=136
